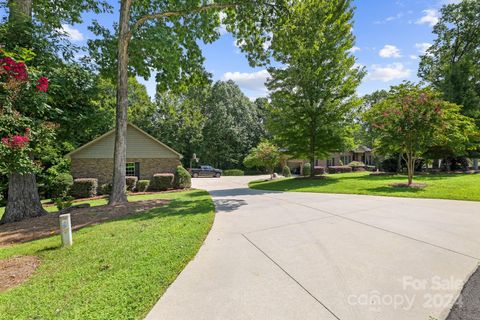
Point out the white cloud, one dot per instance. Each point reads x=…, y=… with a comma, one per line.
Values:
x=391, y=18
x=354, y=49
x=253, y=81
x=389, y=51
x=389, y=72
x=423, y=47
x=430, y=17
x=72, y=33
x=222, y=29
x=413, y=57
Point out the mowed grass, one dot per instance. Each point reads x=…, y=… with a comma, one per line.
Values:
x=439, y=186
x=115, y=270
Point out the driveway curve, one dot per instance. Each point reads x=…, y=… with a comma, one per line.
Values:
x=277, y=255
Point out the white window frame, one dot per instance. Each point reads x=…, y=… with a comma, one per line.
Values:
x=127, y=169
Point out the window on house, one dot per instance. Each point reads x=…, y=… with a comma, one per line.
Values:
x=130, y=171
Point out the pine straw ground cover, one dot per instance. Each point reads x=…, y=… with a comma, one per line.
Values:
x=115, y=270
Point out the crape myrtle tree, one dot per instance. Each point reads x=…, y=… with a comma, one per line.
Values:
x=313, y=94
x=36, y=25
x=265, y=155
x=451, y=64
x=412, y=120
x=23, y=126
x=163, y=35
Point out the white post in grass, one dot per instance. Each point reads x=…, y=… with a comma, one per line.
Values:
x=66, y=229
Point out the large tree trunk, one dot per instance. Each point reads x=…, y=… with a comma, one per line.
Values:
x=23, y=200
x=120, y=154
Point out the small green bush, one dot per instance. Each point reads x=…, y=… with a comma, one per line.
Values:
x=182, y=178
x=60, y=185
x=63, y=202
x=339, y=169
x=84, y=188
x=286, y=172
x=307, y=169
x=106, y=189
x=233, y=172
x=161, y=182
x=356, y=164
x=142, y=185
x=131, y=183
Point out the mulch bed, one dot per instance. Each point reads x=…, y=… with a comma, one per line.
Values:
x=405, y=185
x=48, y=225
x=16, y=270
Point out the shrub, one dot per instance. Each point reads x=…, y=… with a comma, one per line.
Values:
x=59, y=185
x=286, y=171
x=233, y=172
x=130, y=183
x=182, y=178
x=339, y=169
x=142, y=185
x=161, y=181
x=307, y=169
x=371, y=168
x=84, y=188
x=317, y=170
x=356, y=164
x=63, y=202
x=106, y=188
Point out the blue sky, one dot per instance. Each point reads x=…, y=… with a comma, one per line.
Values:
x=390, y=35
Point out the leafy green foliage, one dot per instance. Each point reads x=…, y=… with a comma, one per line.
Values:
x=286, y=171
x=313, y=96
x=264, y=155
x=142, y=185
x=233, y=172
x=161, y=182
x=307, y=169
x=84, y=188
x=182, y=179
x=63, y=202
x=451, y=63
x=413, y=119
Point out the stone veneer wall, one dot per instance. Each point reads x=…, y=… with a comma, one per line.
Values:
x=102, y=169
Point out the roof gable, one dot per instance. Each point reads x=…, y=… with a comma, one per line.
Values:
x=139, y=145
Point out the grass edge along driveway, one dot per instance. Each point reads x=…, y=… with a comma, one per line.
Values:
x=115, y=270
x=439, y=186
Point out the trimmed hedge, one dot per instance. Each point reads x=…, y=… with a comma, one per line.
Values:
x=286, y=171
x=84, y=188
x=233, y=172
x=356, y=164
x=182, y=179
x=307, y=169
x=161, y=182
x=131, y=183
x=142, y=185
x=339, y=169
x=106, y=189
x=318, y=170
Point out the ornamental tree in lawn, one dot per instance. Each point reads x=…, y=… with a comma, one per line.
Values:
x=163, y=36
x=313, y=94
x=412, y=119
x=264, y=155
x=22, y=108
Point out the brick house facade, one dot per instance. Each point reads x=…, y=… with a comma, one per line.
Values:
x=145, y=157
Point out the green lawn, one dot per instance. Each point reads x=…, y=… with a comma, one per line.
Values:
x=451, y=186
x=115, y=270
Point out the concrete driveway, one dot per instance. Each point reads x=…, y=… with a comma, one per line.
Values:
x=275, y=255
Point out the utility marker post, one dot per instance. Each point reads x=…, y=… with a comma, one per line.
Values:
x=66, y=229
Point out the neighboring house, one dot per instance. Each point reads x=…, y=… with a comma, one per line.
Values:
x=145, y=157
x=361, y=154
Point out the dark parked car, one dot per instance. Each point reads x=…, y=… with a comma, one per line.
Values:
x=206, y=171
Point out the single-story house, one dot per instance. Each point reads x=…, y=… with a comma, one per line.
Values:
x=362, y=154
x=145, y=157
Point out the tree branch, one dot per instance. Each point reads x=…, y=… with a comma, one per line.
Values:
x=159, y=15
